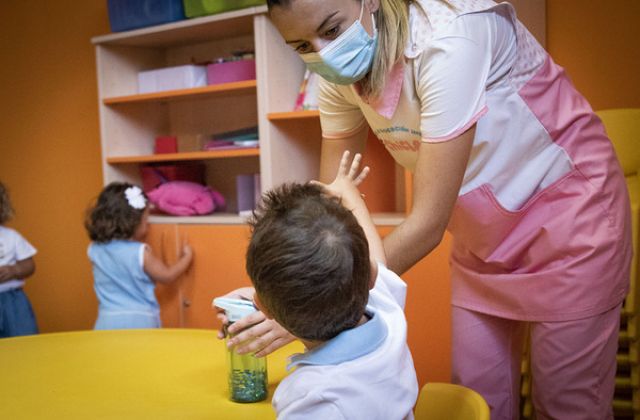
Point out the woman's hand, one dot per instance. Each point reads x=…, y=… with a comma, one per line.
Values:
x=258, y=335
x=255, y=333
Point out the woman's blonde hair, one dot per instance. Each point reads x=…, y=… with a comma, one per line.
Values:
x=392, y=21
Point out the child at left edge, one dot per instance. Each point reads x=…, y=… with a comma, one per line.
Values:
x=16, y=264
x=125, y=270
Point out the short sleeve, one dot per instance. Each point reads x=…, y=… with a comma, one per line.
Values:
x=451, y=78
x=391, y=284
x=24, y=249
x=339, y=117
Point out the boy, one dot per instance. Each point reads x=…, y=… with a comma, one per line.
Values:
x=317, y=264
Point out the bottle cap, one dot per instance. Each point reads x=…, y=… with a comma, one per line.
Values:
x=235, y=309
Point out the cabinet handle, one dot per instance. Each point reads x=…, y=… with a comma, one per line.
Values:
x=186, y=303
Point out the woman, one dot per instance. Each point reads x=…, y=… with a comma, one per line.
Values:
x=508, y=157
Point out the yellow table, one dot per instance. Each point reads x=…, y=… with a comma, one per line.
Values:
x=125, y=374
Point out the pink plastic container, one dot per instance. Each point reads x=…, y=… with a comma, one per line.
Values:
x=231, y=71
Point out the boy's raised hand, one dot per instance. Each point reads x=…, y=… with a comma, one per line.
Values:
x=349, y=176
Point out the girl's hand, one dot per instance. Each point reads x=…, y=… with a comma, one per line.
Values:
x=349, y=176
x=258, y=333
x=187, y=251
x=7, y=272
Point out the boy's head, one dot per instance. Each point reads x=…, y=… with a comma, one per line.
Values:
x=308, y=259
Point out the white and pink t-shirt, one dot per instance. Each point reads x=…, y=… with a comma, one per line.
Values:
x=541, y=225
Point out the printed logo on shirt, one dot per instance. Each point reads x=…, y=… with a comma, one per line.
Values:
x=395, y=138
x=401, y=145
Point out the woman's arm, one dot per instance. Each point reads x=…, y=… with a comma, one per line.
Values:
x=332, y=150
x=161, y=273
x=439, y=172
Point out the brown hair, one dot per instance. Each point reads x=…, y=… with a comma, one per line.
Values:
x=6, y=210
x=308, y=259
x=112, y=217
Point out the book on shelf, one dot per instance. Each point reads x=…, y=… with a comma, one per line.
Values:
x=308, y=93
x=236, y=139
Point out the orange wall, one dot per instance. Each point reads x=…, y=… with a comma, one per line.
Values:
x=598, y=43
x=49, y=146
x=50, y=156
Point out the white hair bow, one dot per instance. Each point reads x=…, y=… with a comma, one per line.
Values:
x=135, y=197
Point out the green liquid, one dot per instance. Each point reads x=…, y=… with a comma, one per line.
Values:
x=248, y=385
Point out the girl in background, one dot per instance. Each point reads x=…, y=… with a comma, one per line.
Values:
x=125, y=270
x=16, y=264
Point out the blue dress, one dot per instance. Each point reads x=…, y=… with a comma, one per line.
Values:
x=125, y=292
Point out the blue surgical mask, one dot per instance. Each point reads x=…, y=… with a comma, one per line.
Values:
x=347, y=58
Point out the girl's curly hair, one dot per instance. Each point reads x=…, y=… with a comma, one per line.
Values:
x=112, y=217
x=6, y=210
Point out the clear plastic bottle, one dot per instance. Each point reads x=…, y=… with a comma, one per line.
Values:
x=247, y=374
x=247, y=377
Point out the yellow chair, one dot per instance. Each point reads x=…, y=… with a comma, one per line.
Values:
x=623, y=128
x=450, y=402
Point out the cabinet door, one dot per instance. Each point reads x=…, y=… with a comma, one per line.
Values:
x=218, y=267
x=162, y=238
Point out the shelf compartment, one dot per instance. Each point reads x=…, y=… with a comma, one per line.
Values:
x=293, y=115
x=173, y=157
x=211, y=91
x=210, y=219
x=188, y=31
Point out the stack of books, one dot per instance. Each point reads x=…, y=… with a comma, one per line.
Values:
x=237, y=139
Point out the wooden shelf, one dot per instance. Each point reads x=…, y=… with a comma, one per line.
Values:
x=233, y=88
x=293, y=115
x=210, y=219
x=172, y=157
x=187, y=31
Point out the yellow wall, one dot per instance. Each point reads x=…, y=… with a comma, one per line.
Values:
x=49, y=146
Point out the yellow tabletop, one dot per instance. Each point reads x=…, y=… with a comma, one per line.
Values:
x=125, y=374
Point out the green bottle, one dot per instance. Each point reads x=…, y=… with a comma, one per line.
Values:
x=247, y=373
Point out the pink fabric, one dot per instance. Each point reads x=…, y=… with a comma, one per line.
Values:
x=564, y=255
x=183, y=198
x=573, y=370
x=387, y=102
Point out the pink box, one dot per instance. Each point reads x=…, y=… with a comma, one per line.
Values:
x=231, y=71
x=166, y=144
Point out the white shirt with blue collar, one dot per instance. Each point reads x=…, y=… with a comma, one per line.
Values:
x=363, y=373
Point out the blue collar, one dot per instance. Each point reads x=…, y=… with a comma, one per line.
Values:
x=348, y=345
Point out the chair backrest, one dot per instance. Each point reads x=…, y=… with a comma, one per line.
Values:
x=450, y=402
x=623, y=128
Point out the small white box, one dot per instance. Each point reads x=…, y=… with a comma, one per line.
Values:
x=172, y=78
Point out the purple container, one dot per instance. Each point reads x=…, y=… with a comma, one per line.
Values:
x=231, y=71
